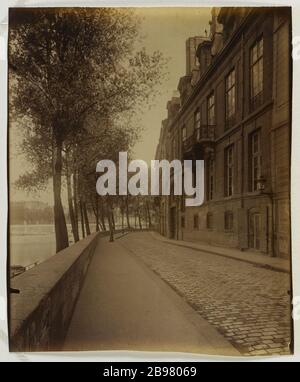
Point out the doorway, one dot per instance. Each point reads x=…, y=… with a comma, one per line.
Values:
x=254, y=231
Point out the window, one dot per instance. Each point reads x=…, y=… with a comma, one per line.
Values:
x=255, y=156
x=210, y=179
x=230, y=98
x=197, y=119
x=196, y=221
x=254, y=230
x=182, y=222
x=228, y=221
x=229, y=171
x=256, y=74
x=209, y=220
x=211, y=110
x=183, y=134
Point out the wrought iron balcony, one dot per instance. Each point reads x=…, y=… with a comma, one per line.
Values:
x=204, y=135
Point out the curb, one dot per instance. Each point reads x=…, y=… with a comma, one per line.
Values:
x=265, y=266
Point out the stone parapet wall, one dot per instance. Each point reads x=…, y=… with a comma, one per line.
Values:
x=40, y=314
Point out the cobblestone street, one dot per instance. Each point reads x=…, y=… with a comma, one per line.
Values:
x=247, y=304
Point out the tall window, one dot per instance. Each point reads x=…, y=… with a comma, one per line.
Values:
x=254, y=230
x=210, y=179
x=229, y=171
x=228, y=221
x=197, y=119
x=230, y=97
x=255, y=155
x=211, y=110
x=256, y=74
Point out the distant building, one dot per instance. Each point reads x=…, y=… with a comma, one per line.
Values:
x=234, y=111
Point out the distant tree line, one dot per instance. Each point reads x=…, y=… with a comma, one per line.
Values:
x=22, y=213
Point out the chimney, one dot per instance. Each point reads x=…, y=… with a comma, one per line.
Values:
x=191, y=48
x=216, y=31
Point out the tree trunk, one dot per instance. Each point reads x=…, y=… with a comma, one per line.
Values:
x=86, y=219
x=146, y=218
x=122, y=217
x=111, y=229
x=102, y=215
x=113, y=218
x=127, y=213
x=70, y=204
x=97, y=214
x=81, y=218
x=148, y=213
x=94, y=207
x=139, y=217
x=75, y=200
x=61, y=232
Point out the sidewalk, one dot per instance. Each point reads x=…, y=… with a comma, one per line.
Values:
x=258, y=259
x=123, y=305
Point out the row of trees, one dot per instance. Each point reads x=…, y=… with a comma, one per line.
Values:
x=122, y=213
x=75, y=82
x=26, y=213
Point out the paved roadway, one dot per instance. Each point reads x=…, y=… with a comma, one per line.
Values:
x=246, y=303
x=124, y=305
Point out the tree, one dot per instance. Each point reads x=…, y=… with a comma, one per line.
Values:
x=67, y=63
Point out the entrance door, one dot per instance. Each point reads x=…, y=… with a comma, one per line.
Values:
x=254, y=231
x=172, y=222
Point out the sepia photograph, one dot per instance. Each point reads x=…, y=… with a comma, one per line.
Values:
x=149, y=175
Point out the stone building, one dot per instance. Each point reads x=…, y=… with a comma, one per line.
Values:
x=234, y=112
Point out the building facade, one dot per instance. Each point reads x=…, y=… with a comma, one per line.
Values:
x=234, y=112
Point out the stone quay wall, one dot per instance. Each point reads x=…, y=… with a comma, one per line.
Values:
x=40, y=314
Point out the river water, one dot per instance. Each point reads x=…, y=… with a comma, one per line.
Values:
x=33, y=243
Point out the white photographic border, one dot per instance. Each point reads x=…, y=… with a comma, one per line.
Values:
x=110, y=356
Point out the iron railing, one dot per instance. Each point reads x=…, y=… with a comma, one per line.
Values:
x=202, y=135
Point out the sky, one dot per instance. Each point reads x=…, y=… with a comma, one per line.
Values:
x=163, y=29
x=167, y=30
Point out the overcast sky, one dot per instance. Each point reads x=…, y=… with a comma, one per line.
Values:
x=165, y=29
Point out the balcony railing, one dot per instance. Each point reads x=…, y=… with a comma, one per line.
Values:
x=205, y=134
